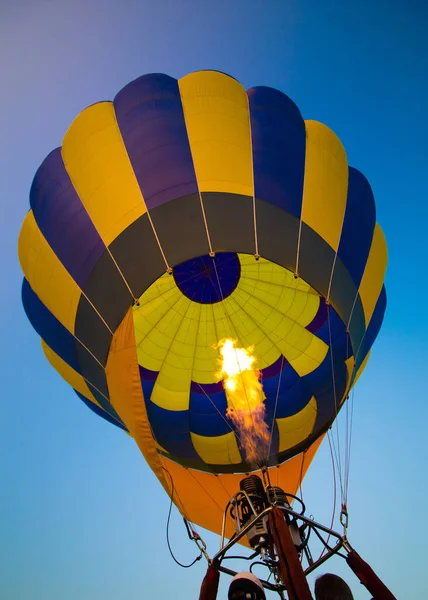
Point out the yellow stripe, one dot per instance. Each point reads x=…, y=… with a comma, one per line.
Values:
x=218, y=125
x=96, y=160
x=68, y=373
x=126, y=395
x=46, y=274
x=326, y=183
x=219, y=450
x=361, y=369
x=297, y=428
x=374, y=273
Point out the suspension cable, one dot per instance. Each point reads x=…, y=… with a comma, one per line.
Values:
x=180, y=564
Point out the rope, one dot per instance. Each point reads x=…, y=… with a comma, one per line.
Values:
x=334, y=496
x=180, y=564
x=338, y=456
x=276, y=405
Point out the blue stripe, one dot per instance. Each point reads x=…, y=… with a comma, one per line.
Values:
x=151, y=119
x=374, y=326
x=279, y=145
x=101, y=413
x=171, y=430
x=358, y=225
x=63, y=220
x=327, y=400
x=207, y=414
x=49, y=328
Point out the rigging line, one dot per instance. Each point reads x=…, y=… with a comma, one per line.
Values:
x=350, y=444
x=97, y=312
x=301, y=475
x=134, y=298
x=168, y=268
x=204, y=216
x=296, y=270
x=334, y=495
x=167, y=529
x=276, y=405
x=206, y=491
x=337, y=461
x=91, y=353
x=335, y=395
x=347, y=428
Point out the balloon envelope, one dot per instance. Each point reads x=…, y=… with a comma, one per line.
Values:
x=182, y=213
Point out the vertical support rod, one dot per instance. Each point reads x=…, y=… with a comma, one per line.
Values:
x=291, y=570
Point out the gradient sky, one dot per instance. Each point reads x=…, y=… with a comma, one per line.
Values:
x=81, y=515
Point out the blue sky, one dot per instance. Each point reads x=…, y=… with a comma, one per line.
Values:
x=82, y=516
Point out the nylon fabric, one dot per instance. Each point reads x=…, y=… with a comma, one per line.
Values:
x=98, y=165
x=202, y=497
x=218, y=126
x=295, y=429
x=126, y=395
x=217, y=450
x=326, y=183
x=46, y=274
x=374, y=273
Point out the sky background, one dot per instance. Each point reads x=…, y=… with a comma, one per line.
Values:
x=81, y=515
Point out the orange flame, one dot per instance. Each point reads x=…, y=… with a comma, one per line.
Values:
x=245, y=397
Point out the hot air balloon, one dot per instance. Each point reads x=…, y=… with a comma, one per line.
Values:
x=181, y=230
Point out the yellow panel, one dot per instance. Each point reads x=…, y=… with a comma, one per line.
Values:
x=46, y=274
x=297, y=428
x=126, y=394
x=374, y=273
x=172, y=388
x=326, y=183
x=96, y=160
x=154, y=345
x=311, y=358
x=68, y=373
x=300, y=347
x=218, y=125
x=219, y=450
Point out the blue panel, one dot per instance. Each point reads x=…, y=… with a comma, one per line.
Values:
x=207, y=279
x=49, y=328
x=211, y=425
x=358, y=225
x=203, y=405
x=279, y=146
x=63, y=220
x=207, y=414
x=320, y=318
x=292, y=401
x=101, y=413
x=374, y=326
x=148, y=380
x=336, y=330
x=171, y=430
x=327, y=399
x=150, y=117
x=284, y=379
